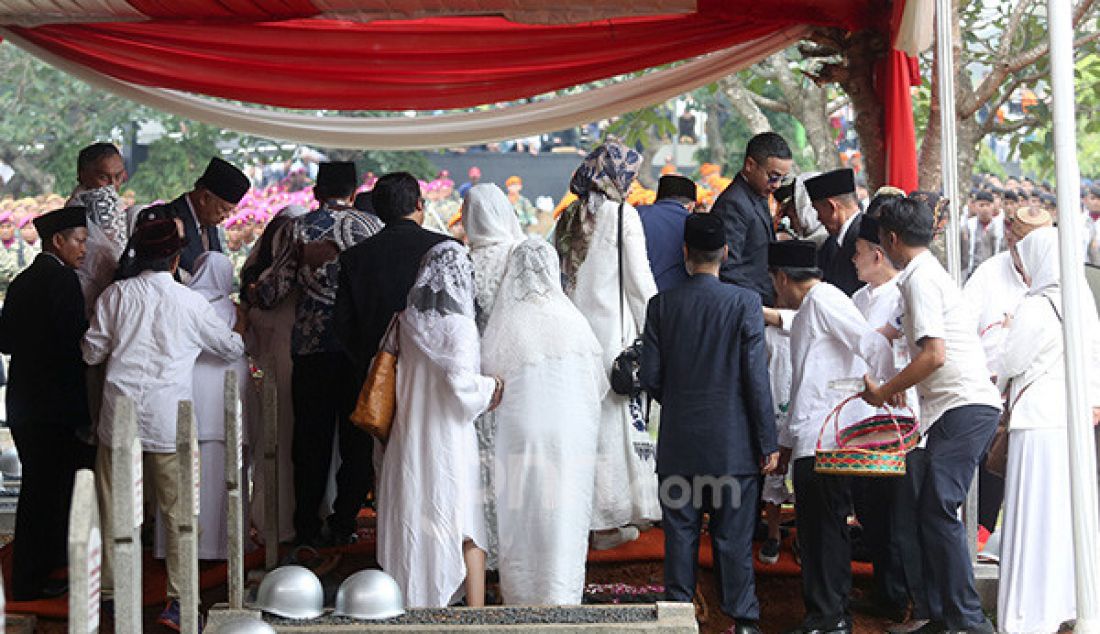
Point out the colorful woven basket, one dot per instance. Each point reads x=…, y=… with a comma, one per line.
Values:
x=874, y=446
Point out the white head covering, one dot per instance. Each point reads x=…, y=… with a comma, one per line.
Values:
x=439, y=317
x=533, y=319
x=1039, y=257
x=492, y=229
x=213, y=279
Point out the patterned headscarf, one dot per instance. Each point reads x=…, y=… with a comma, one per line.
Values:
x=605, y=174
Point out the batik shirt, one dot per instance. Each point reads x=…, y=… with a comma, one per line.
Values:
x=313, y=330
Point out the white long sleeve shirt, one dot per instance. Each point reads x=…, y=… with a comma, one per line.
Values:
x=881, y=306
x=993, y=292
x=150, y=330
x=830, y=340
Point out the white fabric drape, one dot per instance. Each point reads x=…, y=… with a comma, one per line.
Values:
x=438, y=131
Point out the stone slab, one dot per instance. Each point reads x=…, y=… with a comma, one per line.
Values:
x=221, y=613
x=986, y=580
x=669, y=618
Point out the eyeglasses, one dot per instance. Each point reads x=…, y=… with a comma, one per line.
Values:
x=774, y=178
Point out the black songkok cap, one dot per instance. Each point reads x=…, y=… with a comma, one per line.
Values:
x=59, y=220
x=793, y=254
x=834, y=183
x=987, y=196
x=157, y=239
x=336, y=176
x=1011, y=195
x=224, y=181
x=673, y=185
x=704, y=232
x=784, y=193
x=868, y=229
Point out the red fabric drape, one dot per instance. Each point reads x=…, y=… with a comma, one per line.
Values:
x=900, y=131
x=422, y=64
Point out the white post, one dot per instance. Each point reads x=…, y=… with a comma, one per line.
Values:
x=233, y=498
x=127, y=514
x=85, y=556
x=949, y=157
x=271, y=468
x=187, y=453
x=1082, y=456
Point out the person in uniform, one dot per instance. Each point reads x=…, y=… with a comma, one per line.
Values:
x=8, y=261
x=41, y=326
x=834, y=198
x=701, y=338
x=743, y=208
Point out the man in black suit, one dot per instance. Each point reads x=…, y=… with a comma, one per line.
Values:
x=743, y=209
x=376, y=275
x=213, y=199
x=703, y=359
x=834, y=198
x=41, y=327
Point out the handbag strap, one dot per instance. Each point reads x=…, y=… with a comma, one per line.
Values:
x=1015, y=400
x=622, y=308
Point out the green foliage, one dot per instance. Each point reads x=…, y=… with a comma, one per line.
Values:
x=382, y=161
x=175, y=160
x=988, y=163
x=642, y=127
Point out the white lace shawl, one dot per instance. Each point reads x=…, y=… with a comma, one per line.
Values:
x=533, y=320
x=439, y=318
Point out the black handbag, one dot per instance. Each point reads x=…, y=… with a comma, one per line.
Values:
x=624, y=370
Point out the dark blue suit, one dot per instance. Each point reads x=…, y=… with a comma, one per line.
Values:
x=663, y=223
x=749, y=230
x=191, y=229
x=703, y=359
x=835, y=259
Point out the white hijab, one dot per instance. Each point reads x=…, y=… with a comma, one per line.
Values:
x=1039, y=257
x=533, y=319
x=213, y=279
x=492, y=229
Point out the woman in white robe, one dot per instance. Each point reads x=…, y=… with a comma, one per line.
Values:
x=492, y=229
x=431, y=527
x=547, y=424
x=586, y=238
x=1036, y=591
x=213, y=279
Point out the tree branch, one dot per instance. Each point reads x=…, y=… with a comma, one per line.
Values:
x=769, y=104
x=837, y=104
x=1012, y=126
x=1014, y=20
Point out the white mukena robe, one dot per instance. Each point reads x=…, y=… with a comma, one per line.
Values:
x=547, y=426
x=429, y=497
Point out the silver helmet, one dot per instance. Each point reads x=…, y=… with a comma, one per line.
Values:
x=242, y=625
x=10, y=465
x=292, y=592
x=371, y=595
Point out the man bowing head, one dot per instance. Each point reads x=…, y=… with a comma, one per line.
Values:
x=213, y=199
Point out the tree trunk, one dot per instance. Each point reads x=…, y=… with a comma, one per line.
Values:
x=716, y=145
x=811, y=110
x=744, y=105
x=28, y=180
x=929, y=160
x=864, y=50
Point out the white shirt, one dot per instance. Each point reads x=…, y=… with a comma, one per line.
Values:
x=934, y=308
x=829, y=340
x=994, y=291
x=150, y=330
x=844, y=228
x=881, y=306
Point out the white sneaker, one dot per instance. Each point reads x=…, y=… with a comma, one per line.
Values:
x=607, y=541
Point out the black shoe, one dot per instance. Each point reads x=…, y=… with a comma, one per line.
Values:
x=985, y=627
x=841, y=627
x=769, y=552
x=744, y=627
x=878, y=609
x=931, y=627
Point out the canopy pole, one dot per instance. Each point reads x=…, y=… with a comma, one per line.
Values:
x=945, y=69
x=1082, y=450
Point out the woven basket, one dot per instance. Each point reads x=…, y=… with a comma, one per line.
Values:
x=873, y=447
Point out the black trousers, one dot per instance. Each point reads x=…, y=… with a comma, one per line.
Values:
x=889, y=522
x=991, y=496
x=321, y=389
x=731, y=503
x=48, y=454
x=955, y=444
x=822, y=505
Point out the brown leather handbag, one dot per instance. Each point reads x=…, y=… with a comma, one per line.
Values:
x=374, y=410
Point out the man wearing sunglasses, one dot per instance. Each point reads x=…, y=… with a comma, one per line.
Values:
x=743, y=208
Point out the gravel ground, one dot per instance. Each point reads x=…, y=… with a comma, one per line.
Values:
x=500, y=616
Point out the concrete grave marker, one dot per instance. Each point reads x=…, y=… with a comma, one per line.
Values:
x=271, y=469
x=187, y=453
x=233, y=499
x=127, y=514
x=85, y=556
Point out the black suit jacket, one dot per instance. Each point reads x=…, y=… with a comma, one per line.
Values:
x=41, y=327
x=704, y=360
x=749, y=231
x=835, y=260
x=194, y=246
x=375, y=278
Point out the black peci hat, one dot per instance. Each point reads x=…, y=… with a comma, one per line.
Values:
x=829, y=184
x=704, y=232
x=336, y=176
x=793, y=254
x=672, y=185
x=59, y=220
x=224, y=181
